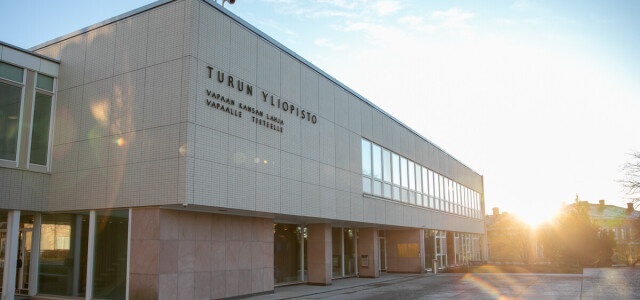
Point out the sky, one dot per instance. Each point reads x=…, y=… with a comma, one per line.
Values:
x=542, y=98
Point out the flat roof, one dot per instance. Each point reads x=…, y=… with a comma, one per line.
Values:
x=3, y=44
x=259, y=33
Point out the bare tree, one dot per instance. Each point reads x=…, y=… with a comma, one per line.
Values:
x=631, y=177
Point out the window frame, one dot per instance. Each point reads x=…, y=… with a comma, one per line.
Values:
x=52, y=93
x=22, y=85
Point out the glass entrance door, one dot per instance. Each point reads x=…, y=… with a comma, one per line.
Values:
x=382, y=255
x=24, y=252
x=24, y=258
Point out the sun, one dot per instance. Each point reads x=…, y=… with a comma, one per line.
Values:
x=535, y=216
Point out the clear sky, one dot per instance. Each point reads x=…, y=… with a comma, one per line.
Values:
x=540, y=97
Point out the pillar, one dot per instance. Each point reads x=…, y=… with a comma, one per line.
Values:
x=319, y=253
x=11, y=255
x=35, y=254
x=368, y=251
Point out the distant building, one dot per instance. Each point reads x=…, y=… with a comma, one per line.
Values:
x=623, y=224
x=512, y=241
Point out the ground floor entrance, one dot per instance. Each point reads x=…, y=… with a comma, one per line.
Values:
x=154, y=252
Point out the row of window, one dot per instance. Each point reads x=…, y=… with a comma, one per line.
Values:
x=12, y=92
x=621, y=233
x=389, y=175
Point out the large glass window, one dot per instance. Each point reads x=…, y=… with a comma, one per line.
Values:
x=63, y=254
x=392, y=176
x=386, y=165
x=395, y=163
x=110, y=259
x=349, y=238
x=286, y=253
x=412, y=176
x=377, y=170
x=377, y=162
x=336, y=249
x=41, y=120
x=403, y=172
x=11, y=83
x=366, y=158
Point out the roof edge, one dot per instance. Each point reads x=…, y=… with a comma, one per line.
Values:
x=14, y=47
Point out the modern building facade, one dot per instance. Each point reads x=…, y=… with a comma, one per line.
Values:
x=177, y=152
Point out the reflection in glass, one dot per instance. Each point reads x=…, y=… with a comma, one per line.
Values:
x=366, y=158
x=10, y=96
x=403, y=172
x=336, y=247
x=377, y=162
x=24, y=251
x=286, y=253
x=63, y=254
x=40, y=129
x=386, y=165
x=395, y=165
x=349, y=252
x=110, y=259
x=11, y=72
x=366, y=185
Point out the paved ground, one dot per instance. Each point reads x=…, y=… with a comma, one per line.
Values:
x=612, y=283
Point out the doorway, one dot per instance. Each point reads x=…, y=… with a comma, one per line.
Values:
x=382, y=252
x=24, y=252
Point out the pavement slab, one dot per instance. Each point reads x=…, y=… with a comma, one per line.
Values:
x=603, y=283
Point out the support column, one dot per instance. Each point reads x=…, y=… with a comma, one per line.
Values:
x=90, y=252
x=11, y=255
x=319, y=253
x=34, y=264
x=368, y=250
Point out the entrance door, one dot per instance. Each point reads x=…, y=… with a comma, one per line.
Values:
x=24, y=258
x=382, y=255
x=24, y=254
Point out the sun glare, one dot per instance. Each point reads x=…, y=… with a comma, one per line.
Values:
x=536, y=217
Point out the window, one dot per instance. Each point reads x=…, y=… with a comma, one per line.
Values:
x=389, y=175
x=366, y=158
x=41, y=121
x=403, y=172
x=386, y=173
x=11, y=84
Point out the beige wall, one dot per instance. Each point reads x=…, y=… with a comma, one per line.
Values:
x=405, y=250
x=368, y=245
x=121, y=112
x=308, y=169
x=191, y=255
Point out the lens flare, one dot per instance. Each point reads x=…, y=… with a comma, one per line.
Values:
x=120, y=142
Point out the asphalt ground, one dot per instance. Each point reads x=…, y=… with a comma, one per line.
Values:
x=606, y=283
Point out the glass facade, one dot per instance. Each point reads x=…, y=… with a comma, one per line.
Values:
x=336, y=250
x=287, y=253
x=11, y=84
x=344, y=256
x=110, y=257
x=41, y=121
x=389, y=175
x=349, y=240
x=63, y=254
x=12, y=92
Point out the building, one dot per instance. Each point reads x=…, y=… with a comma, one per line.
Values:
x=623, y=224
x=510, y=240
x=178, y=152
